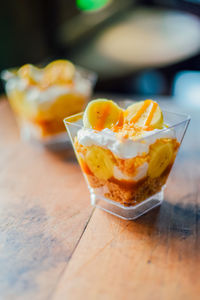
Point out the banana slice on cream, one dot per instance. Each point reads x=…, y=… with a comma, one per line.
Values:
x=145, y=114
x=58, y=72
x=102, y=113
x=27, y=73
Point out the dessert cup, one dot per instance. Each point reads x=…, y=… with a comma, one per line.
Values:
x=118, y=196
x=40, y=111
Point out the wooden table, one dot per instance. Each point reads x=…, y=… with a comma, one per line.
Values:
x=54, y=245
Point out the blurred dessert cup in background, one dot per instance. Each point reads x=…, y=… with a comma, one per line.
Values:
x=42, y=97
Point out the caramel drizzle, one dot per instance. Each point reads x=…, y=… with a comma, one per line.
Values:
x=150, y=116
x=141, y=111
x=84, y=166
x=121, y=120
x=120, y=123
x=101, y=122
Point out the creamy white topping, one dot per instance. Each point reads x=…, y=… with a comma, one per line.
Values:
x=100, y=190
x=15, y=83
x=122, y=148
x=117, y=173
x=141, y=173
x=36, y=95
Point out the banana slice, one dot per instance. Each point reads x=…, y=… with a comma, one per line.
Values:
x=28, y=73
x=145, y=114
x=100, y=162
x=161, y=155
x=58, y=72
x=101, y=113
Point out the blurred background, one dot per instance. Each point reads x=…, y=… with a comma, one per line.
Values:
x=140, y=48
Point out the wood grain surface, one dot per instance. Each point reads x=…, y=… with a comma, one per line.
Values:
x=54, y=245
x=44, y=209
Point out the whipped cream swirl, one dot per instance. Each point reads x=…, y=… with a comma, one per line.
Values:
x=122, y=148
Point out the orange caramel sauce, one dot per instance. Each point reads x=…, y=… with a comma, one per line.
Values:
x=119, y=124
x=150, y=116
x=101, y=122
x=131, y=124
x=132, y=185
x=84, y=166
x=141, y=111
x=121, y=120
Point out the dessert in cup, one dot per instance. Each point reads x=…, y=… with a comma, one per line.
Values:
x=126, y=153
x=42, y=97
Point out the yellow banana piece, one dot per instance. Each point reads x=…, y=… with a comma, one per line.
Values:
x=101, y=113
x=100, y=162
x=161, y=154
x=145, y=114
x=26, y=72
x=58, y=72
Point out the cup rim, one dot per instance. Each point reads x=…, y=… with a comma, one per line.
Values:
x=186, y=119
x=9, y=73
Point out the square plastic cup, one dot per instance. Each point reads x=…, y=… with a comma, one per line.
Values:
x=151, y=195
x=39, y=112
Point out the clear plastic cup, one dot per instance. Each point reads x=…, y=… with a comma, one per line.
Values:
x=40, y=112
x=131, y=199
